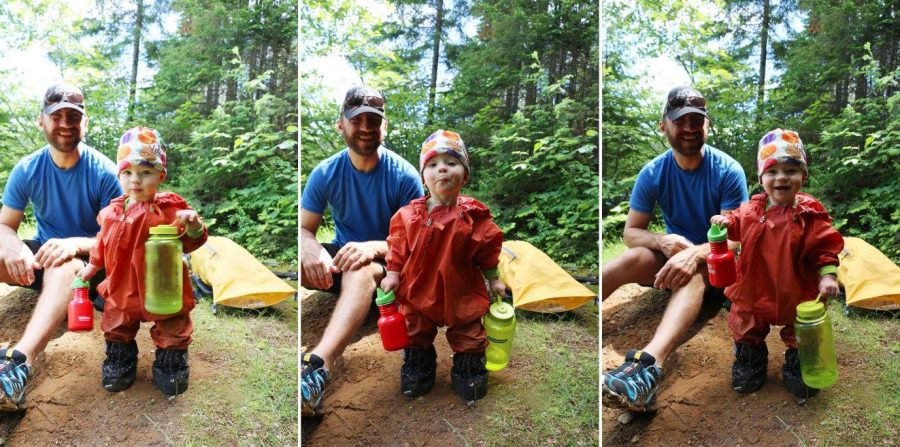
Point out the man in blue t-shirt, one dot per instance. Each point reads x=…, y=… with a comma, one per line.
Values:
x=67, y=184
x=363, y=185
x=690, y=183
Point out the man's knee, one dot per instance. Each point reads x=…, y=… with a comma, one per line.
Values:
x=62, y=275
x=638, y=264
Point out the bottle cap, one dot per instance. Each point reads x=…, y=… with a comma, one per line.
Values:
x=167, y=230
x=502, y=311
x=810, y=310
x=384, y=297
x=716, y=233
x=78, y=283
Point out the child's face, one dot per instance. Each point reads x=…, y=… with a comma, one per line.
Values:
x=781, y=182
x=444, y=175
x=140, y=182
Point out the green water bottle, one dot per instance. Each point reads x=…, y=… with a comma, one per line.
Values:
x=500, y=324
x=162, y=271
x=818, y=360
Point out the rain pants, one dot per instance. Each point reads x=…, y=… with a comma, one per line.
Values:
x=120, y=250
x=782, y=250
x=443, y=258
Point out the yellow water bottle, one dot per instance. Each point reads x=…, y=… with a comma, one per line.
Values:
x=162, y=271
x=500, y=324
x=818, y=360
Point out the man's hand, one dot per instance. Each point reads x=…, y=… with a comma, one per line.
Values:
x=317, y=264
x=354, y=256
x=672, y=244
x=678, y=269
x=20, y=265
x=55, y=252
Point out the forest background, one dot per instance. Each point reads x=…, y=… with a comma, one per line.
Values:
x=826, y=69
x=217, y=78
x=517, y=79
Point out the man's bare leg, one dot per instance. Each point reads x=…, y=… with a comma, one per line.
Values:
x=352, y=307
x=635, y=265
x=682, y=310
x=50, y=310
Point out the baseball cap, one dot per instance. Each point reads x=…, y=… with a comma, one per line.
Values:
x=62, y=96
x=362, y=100
x=682, y=100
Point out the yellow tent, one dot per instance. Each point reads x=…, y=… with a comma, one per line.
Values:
x=870, y=279
x=237, y=278
x=538, y=284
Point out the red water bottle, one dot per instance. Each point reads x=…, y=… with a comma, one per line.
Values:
x=391, y=324
x=81, y=310
x=720, y=261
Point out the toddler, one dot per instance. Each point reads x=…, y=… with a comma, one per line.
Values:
x=441, y=249
x=789, y=253
x=124, y=228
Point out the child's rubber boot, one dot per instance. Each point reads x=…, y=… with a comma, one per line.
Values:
x=171, y=371
x=120, y=367
x=418, y=370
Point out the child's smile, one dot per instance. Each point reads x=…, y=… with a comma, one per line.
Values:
x=782, y=182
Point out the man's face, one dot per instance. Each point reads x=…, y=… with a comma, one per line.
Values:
x=686, y=134
x=63, y=129
x=363, y=133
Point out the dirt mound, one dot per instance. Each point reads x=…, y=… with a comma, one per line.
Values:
x=697, y=406
x=66, y=404
x=363, y=405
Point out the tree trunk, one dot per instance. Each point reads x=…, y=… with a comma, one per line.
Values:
x=435, y=57
x=135, y=58
x=763, y=53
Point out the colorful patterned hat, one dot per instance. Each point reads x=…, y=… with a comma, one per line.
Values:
x=781, y=146
x=443, y=142
x=141, y=146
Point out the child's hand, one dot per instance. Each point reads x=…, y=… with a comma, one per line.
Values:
x=390, y=282
x=498, y=287
x=828, y=286
x=719, y=220
x=189, y=219
x=88, y=271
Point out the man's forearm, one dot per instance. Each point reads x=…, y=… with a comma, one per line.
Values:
x=640, y=237
x=380, y=247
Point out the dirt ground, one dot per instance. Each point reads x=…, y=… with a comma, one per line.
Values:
x=363, y=405
x=66, y=404
x=697, y=406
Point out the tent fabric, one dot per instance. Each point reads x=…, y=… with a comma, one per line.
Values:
x=538, y=284
x=237, y=278
x=871, y=280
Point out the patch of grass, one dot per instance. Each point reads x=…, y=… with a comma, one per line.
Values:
x=552, y=398
x=252, y=399
x=868, y=404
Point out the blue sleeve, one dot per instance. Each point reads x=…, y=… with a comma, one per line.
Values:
x=15, y=195
x=410, y=189
x=643, y=195
x=109, y=189
x=313, y=197
x=734, y=188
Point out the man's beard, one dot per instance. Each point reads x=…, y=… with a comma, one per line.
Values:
x=685, y=148
x=363, y=148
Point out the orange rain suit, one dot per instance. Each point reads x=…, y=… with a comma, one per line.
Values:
x=120, y=249
x=442, y=257
x=782, y=250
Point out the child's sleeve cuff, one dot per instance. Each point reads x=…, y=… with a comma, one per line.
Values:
x=493, y=273
x=195, y=234
x=828, y=270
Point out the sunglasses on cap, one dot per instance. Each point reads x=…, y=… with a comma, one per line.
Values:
x=678, y=102
x=364, y=100
x=65, y=96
